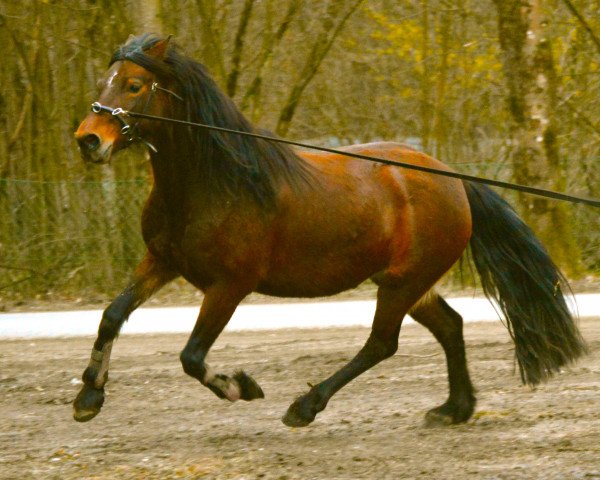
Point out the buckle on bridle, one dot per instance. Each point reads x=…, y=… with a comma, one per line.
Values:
x=125, y=127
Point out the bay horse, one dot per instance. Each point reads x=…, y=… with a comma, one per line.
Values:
x=234, y=215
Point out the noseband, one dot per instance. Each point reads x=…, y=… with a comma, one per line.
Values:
x=128, y=130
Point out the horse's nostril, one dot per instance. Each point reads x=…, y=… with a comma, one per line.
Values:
x=90, y=142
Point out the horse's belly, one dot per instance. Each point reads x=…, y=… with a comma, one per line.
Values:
x=327, y=274
x=306, y=289
x=331, y=247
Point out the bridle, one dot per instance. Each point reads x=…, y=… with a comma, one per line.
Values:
x=131, y=131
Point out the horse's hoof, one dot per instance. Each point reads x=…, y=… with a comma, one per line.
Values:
x=434, y=418
x=88, y=403
x=303, y=411
x=249, y=389
x=305, y=408
x=292, y=418
x=449, y=414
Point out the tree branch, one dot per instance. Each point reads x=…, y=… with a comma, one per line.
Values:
x=583, y=23
x=316, y=56
x=267, y=53
x=211, y=39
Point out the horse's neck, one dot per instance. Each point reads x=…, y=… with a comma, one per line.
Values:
x=172, y=177
x=180, y=184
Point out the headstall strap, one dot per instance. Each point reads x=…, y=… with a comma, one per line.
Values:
x=156, y=86
x=126, y=128
x=119, y=113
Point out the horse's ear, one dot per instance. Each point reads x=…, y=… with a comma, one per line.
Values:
x=159, y=49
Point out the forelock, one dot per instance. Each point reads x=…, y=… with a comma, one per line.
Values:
x=135, y=49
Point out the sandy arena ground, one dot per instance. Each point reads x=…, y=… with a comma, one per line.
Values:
x=157, y=423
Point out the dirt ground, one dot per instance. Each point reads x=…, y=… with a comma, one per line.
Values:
x=157, y=423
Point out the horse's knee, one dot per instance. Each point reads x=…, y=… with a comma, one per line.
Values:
x=192, y=364
x=390, y=349
x=381, y=348
x=445, y=323
x=109, y=325
x=114, y=316
x=456, y=319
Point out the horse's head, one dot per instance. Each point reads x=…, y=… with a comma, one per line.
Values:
x=136, y=69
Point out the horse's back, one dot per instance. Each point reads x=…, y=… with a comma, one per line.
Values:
x=420, y=195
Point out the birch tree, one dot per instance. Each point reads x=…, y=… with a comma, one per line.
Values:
x=531, y=84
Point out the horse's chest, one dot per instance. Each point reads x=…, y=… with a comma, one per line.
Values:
x=166, y=227
x=204, y=248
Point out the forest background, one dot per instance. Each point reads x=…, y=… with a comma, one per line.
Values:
x=504, y=89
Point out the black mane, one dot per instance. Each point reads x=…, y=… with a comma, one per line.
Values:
x=229, y=163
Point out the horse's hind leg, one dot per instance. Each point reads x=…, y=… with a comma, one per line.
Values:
x=446, y=325
x=392, y=304
x=149, y=277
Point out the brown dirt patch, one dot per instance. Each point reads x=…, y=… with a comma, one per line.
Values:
x=159, y=424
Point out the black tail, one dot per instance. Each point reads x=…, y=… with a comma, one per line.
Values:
x=517, y=272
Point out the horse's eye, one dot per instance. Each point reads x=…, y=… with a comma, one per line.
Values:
x=135, y=87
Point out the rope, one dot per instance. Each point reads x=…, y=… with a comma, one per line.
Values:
x=594, y=202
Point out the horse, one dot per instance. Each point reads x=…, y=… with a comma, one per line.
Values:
x=236, y=214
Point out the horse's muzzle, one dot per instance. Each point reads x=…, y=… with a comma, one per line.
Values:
x=93, y=149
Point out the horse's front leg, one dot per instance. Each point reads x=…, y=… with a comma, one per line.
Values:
x=220, y=301
x=149, y=276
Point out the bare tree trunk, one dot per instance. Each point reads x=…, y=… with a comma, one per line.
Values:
x=532, y=83
x=210, y=24
x=238, y=47
x=440, y=119
x=148, y=18
x=251, y=97
x=425, y=104
x=28, y=58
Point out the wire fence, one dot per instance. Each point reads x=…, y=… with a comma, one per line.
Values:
x=69, y=236
x=81, y=238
